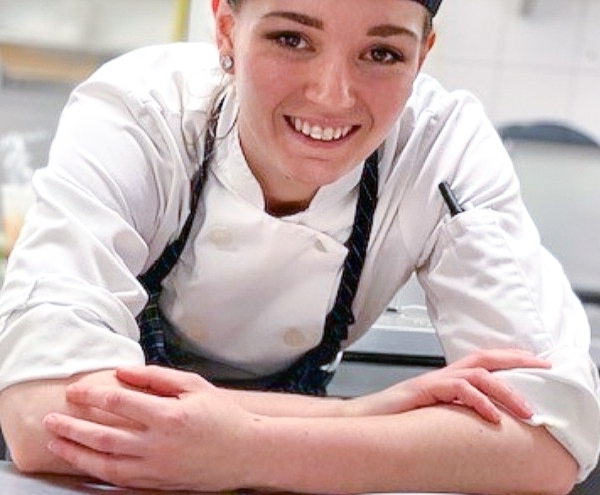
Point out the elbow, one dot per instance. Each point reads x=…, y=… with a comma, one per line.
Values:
x=552, y=484
x=27, y=442
x=24, y=434
x=541, y=465
x=564, y=484
x=561, y=468
x=26, y=463
x=27, y=452
x=22, y=409
x=557, y=476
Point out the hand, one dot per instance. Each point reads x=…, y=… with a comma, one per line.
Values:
x=468, y=381
x=177, y=432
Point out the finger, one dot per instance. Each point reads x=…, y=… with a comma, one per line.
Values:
x=501, y=359
x=521, y=357
x=160, y=380
x=130, y=404
x=467, y=395
x=114, y=469
x=497, y=359
x=97, y=437
x=95, y=415
x=499, y=392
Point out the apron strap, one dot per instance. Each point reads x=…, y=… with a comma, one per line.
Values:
x=151, y=321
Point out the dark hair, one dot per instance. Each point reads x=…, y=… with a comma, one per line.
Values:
x=427, y=24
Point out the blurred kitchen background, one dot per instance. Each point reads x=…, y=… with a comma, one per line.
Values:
x=535, y=64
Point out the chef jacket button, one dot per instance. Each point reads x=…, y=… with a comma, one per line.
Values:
x=320, y=246
x=220, y=236
x=294, y=338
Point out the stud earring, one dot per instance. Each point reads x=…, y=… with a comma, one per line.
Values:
x=226, y=62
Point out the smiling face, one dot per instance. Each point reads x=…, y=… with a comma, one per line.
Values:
x=319, y=84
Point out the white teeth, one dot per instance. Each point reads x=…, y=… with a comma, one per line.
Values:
x=305, y=129
x=316, y=132
x=319, y=133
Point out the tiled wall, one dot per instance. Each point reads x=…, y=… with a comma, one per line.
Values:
x=525, y=59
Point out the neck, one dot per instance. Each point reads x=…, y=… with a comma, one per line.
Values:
x=284, y=197
x=284, y=208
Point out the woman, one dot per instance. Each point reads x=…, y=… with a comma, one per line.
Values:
x=286, y=208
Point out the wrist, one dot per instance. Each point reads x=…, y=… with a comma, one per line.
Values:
x=353, y=407
x=257, y=463
x=283, y=454
x=389, y=401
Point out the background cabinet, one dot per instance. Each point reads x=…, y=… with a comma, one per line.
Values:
x=67, y=39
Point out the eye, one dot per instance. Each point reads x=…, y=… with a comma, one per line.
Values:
x=384, y=55
x=289, y=39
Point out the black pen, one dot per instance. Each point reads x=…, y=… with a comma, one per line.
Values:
x=450, y=199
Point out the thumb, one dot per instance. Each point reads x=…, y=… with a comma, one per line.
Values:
x=159, y=380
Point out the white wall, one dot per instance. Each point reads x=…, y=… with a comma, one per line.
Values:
x=201, y=21
x=525, y=59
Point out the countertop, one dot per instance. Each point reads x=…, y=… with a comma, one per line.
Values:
x=14, y=483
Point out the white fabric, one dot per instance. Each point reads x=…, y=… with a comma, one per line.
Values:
x=252, y=291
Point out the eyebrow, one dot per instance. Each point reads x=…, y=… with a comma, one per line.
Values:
x=383, y=30
x=300, y=18
x=386, y=30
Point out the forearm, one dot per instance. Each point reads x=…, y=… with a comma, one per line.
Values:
x=468, y=381
x=439, y=448
x=179, y=416
x=290, y=405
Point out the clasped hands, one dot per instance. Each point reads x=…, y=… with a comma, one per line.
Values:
x=167, y=429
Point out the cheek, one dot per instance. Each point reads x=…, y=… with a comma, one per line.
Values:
x=389, y=100
x=386, y=105
x=262, y=80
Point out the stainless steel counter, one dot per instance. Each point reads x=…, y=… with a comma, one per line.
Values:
x=400, y=345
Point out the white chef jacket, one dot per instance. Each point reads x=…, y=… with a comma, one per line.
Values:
x=251, y=291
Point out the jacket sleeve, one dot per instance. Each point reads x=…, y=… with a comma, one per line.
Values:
x=115, y=189
x=489, y=283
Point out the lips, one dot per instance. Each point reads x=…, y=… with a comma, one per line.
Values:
x=318, y=132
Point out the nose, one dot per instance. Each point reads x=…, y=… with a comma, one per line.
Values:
x=331, y=84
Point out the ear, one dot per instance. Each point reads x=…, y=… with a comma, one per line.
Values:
x=427, y=46
x=224, y=21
